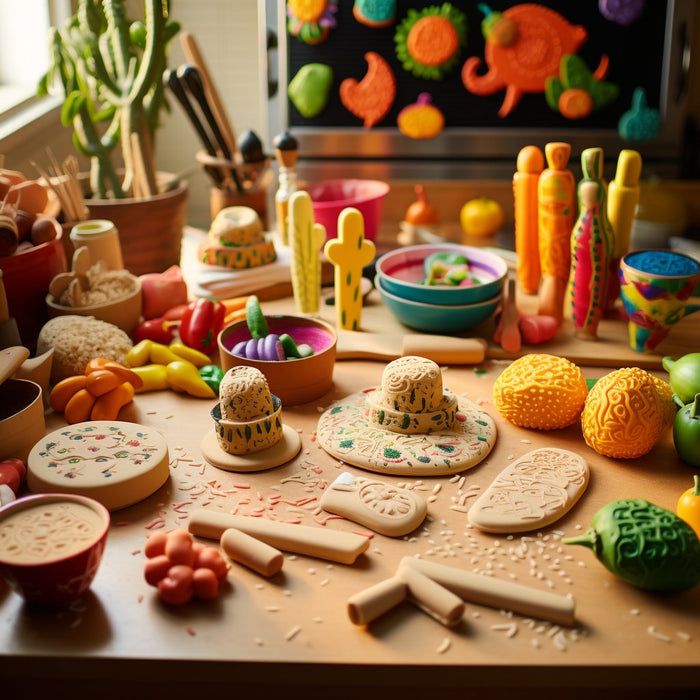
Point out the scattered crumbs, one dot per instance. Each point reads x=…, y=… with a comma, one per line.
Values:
x=259, y=586
x=432, y=499
x=376, y=550
x=76, y=622
x=191, y=631
x=317, y=620
x=476, y=614
x=480, y=372
x=292, y=557
x=287, y=592
x=559, y=641
x=653, y=632
x=511, y=630
x=258, y=641
x=311, y=571
x=151, y=413
x=134, y=552
x=139, y=598
x=510, y=456
x=292, y=633
x=272, y=608
x=324, y=582
x=437, y=488
x=444, y=646
x=578, y=527
x=121, y=523
x=330, y=567
x=525, y=441
x=535, y=642
x=581, y=563
x=683, y=635
x=320, y=409
x=634, y=611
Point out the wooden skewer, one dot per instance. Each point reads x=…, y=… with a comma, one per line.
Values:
x=194, y=56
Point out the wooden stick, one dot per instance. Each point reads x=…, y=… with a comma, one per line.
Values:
x=194, y=56
x=497, y=593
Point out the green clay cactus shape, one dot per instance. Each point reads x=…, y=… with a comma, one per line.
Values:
x=640, y=122
x=646, y=545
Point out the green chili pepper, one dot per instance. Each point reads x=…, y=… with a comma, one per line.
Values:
x=646, y=545
x=212, y=376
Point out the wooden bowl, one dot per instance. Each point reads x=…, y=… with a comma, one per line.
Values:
x=22, y=422
x=293, y=381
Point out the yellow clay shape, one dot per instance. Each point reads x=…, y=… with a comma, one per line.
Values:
x=349, y=253
x=198, y=359
x=163, y=355
x=183, y=376
x=154, y=378
x=139, y=354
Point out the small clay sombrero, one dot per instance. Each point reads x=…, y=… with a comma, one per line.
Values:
x=410, y=425
x=248, y=431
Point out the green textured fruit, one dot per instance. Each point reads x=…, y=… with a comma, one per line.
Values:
x=646, y=545
x=684, y=375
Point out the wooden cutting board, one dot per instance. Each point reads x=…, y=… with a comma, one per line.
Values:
x=610, y=350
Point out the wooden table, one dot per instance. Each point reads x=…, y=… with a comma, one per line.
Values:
x=291, y=635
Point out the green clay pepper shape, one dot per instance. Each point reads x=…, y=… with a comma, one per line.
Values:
x=686, y=432
x=684, y=375
x=309, y=89
x=646, y=545
x=212, y=376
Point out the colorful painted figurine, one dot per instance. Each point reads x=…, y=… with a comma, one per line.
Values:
x=592, y=245
x=623, y=198
x=349, y=253
x=556, y=201
x=306, y=239
x=529, y=166
x=311, y=20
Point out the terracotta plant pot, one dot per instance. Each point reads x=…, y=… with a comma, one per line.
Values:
x=150, y=229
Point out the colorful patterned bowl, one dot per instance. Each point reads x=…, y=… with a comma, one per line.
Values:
x=51, y=546
x=401, y=272
x=436, y=318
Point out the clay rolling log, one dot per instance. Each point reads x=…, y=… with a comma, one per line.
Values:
x=342, y=547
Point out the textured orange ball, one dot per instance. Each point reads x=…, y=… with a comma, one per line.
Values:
x=623, y=415
x=540, y=391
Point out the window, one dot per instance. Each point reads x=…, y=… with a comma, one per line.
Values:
x=24, y=53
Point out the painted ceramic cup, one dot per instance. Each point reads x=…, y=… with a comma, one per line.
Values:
x=655, y=286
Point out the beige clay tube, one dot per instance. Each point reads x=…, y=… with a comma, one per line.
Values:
x=343, y=547
x=252, y=553
x=431, y=597
x=369, y=604
x=496, y=593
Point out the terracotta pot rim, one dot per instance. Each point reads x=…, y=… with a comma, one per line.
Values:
x=181, y=185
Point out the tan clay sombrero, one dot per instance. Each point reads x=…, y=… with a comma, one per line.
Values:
x=248, y=431
x=410, y=425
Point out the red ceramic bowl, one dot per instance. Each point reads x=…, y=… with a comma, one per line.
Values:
x=27, y=276
x=293, y=381
x=51, y=546
x=330, y=197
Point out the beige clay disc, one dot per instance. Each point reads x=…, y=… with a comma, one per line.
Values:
x=344, y=432
x=280, y=453
x=532, y=492
x=115, y=462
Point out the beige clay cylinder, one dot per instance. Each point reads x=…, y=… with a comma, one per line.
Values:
x=371, y=603
x=431, y=597
x=253, y=553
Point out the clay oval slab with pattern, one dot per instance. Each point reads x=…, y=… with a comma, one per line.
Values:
x=345, y=432
x=532, y=492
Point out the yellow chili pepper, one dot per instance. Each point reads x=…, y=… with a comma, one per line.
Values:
x=183, y=375
x=198, y=359
x=139, y=354
x=688, y=507
x=162, y=354
x=153, y=376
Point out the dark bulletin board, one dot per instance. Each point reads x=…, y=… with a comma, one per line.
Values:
x=635, y=53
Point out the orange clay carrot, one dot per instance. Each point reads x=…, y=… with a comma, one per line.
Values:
x=64, y=390
x=101, y=381
x=79, y=406
x=530, y=164
x=233, y=316
x=108, y=405
x=125, y=374
x=234, y=303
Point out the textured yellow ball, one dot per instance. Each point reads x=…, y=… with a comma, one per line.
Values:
x=540, y=391
x=623, y=415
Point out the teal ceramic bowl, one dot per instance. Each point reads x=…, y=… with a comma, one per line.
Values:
x=436, y=318
x=402, y=270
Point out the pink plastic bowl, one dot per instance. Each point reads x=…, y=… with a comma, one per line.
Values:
x=330, y=197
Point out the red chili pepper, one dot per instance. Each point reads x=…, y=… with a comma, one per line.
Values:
x=201, y=323
x=157, y=329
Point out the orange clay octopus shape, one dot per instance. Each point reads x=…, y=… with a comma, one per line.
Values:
x=542, y=37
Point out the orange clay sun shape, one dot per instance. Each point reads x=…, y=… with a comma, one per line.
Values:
x=428, y=41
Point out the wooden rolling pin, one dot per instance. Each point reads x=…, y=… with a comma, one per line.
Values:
x=343, y=547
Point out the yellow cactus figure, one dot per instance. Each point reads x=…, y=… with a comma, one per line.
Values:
x=306, y=240
x=349, y=253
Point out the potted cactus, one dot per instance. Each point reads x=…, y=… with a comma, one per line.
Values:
x=108, y=70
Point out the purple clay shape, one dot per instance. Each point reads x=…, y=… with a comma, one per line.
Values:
x=272, y=349
x=623, y=12
x=252, y=349
x=240, y=348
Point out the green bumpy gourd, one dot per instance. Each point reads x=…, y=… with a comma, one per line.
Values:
x=644, y=544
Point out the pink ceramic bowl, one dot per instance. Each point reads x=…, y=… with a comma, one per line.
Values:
x=330, y=197
x=51, y=546
x=293, y=381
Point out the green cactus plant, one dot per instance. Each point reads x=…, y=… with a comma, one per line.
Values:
x=108, y=70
